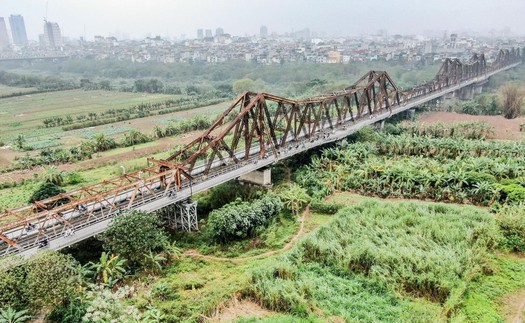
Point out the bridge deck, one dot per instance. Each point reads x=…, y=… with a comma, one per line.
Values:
x=83, y=226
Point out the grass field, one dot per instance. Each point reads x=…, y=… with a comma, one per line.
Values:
x=24, y=114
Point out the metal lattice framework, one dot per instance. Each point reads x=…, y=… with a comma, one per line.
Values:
x=255, y=124
x=269, y=122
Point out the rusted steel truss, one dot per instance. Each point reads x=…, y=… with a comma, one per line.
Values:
x=266, y=123
x=255, y=124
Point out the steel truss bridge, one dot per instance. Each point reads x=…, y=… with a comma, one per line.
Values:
x=256, y=130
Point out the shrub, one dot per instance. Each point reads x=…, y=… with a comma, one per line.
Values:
x=240, y=220
x=321, y=206
x=71, y=311
x=44, y=191
x=511, y=221
x=49, y=278
x=13, y=291
x=133, y=235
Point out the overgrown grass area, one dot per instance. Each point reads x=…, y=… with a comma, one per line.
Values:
x=193, y=289
x=278, y=233
x=382, y=261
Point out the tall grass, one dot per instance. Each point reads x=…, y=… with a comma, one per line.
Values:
x=356, y=265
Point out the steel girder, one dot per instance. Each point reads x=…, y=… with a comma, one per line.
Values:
x=253, y=123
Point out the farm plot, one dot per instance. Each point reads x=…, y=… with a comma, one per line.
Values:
x=24, y=114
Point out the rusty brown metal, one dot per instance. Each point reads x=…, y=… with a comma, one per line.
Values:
x=259, y=121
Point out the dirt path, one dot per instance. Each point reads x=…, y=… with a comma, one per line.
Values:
x=196, y=254
x=513, y=306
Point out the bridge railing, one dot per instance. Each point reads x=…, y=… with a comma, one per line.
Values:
x=254, y=133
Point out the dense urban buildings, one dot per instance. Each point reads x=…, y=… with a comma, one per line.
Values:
x=18, y=30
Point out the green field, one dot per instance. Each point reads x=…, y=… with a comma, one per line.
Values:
x=24, y=114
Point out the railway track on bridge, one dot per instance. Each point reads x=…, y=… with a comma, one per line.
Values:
x=255, y=131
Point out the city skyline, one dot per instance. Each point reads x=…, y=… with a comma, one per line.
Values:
x=339, y=18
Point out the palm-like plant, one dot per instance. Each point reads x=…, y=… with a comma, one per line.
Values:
x=173, y=252
x=51, y=174
x=294, y=197
x=10, y=315
x=109, y=268
x=153, y=262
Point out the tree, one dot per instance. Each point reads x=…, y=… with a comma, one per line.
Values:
x=134, y=234
x=10, y=315
x=239, y=220
x=49, y=278
x=512, y=96
x=109, y=268
x=134, y=137
x=44, y=191
x=13, y=292
x=153, y=262
x=243, y=85
x=103, y=143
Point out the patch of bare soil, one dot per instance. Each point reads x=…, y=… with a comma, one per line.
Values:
x=513, y=306
x=503, y=128
x=237, y=309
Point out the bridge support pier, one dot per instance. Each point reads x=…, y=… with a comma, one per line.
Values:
x=183, y=216
x=468, y=92
x=261, y=177
x=380, y=125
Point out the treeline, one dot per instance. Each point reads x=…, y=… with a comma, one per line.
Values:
x=43, y=84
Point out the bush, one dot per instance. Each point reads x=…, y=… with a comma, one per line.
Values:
x=13, y=291
x=133, y=235
x=511, y=222
x=239, y=220
x=46, y=190
x=325, y=207
x=49, y=278
x=71, y=311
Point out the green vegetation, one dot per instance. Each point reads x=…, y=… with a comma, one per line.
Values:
x=370, y=261
x=44, y=191
x=133, y=235
x=439, y=169
x=239, y=220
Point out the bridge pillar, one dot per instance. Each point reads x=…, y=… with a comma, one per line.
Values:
x=380, y=125
x=262, y=177
x=478, y=88
x=466, y=93
x=183, y=216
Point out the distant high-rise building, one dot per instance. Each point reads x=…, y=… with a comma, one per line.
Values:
x=52, y=35
x=4, y=38
x=263, y=32
x=208, y=33
x=18, y=30
x=200, y=34
x=219, y=32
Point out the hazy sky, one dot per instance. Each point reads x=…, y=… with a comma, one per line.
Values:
x=343, y=17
